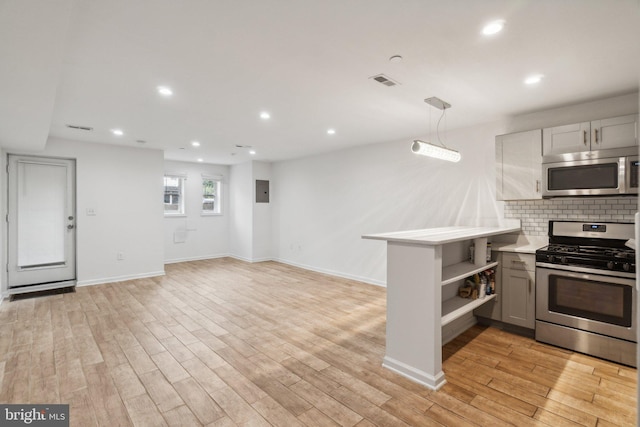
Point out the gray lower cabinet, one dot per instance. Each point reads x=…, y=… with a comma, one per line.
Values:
x=518, y=289
x=515, y=289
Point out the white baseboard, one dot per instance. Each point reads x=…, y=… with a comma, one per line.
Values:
x=195, y=258
x=434, y=382
x=265, y=259
x=251, y=260
x=334, y=273
x=239, y=258
x=119, y=278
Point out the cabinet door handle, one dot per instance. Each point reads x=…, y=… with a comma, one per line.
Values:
x=584, y=137
x=537, y=185
x=596, y=135
x=529, y=282
x=518, y=261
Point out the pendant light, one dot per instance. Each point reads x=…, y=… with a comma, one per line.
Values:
x=432, y=150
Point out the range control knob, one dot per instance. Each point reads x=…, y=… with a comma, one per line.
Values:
x=551, y=258
x=610, y=265
x=563, y=259
x=626, y=266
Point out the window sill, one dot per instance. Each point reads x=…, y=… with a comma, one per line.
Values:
x=210, y=214
x=175, y=215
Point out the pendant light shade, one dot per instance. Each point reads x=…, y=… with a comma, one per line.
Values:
x=428, y=149
x=436, y=151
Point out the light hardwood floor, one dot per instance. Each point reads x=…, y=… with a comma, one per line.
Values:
x=224, y=343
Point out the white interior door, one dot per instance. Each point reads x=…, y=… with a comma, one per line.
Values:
x=41, y=223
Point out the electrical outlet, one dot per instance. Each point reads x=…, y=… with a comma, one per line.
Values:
x=120, y=256
x=91, y=212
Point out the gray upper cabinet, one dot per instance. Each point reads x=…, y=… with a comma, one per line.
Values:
x=518, y=165
x=615, y=132
x=566, y=139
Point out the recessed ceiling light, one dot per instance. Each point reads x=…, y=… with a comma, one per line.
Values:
x=493, y=27
x=117, y=132
x=252, y=152
x=395, y=59
x=533, y=79
x=331, y=131
x=165, y=91
x=195, y=143
x=265, y=116
x=200, y=160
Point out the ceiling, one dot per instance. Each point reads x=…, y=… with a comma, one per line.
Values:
x=308, y=63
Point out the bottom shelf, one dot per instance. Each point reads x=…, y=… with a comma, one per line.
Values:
x=456, y=307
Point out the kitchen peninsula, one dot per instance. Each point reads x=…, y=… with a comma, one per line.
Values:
x=420, y=263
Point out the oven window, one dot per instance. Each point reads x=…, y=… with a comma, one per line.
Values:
x=603, y=175
x=600, y=301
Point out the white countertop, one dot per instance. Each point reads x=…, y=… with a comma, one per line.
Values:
x=442, y=235
x=513, y=247
x=526, y=245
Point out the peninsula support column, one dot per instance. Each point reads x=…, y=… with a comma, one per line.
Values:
x=414, y=306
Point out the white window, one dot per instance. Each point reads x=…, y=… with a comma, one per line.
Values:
x=211, y=195
x=174, y=195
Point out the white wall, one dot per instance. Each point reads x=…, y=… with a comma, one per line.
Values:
x=250, y=223
x=124, y=187
x=241, y=206
x=207, y=236
x=324, y=204
x=3, y=230
x=262, y=236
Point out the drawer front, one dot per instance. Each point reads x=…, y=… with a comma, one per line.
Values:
x=518, y=261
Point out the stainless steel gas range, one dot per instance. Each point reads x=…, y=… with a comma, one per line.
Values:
x=585, y=290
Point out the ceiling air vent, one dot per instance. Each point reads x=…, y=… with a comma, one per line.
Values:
x=80, y=127
x=381, y=78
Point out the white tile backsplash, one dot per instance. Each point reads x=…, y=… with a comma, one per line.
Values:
x=536, y=214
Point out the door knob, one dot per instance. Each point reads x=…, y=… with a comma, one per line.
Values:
x=70, y=227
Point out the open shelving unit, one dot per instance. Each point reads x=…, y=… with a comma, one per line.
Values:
x=456, y=307
x=461, y=270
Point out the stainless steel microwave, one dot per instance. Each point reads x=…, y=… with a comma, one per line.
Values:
x=591, y=173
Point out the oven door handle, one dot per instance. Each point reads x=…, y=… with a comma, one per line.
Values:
x=576, y=271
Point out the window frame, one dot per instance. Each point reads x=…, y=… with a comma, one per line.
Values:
x=182, y=209
x=218, y=196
